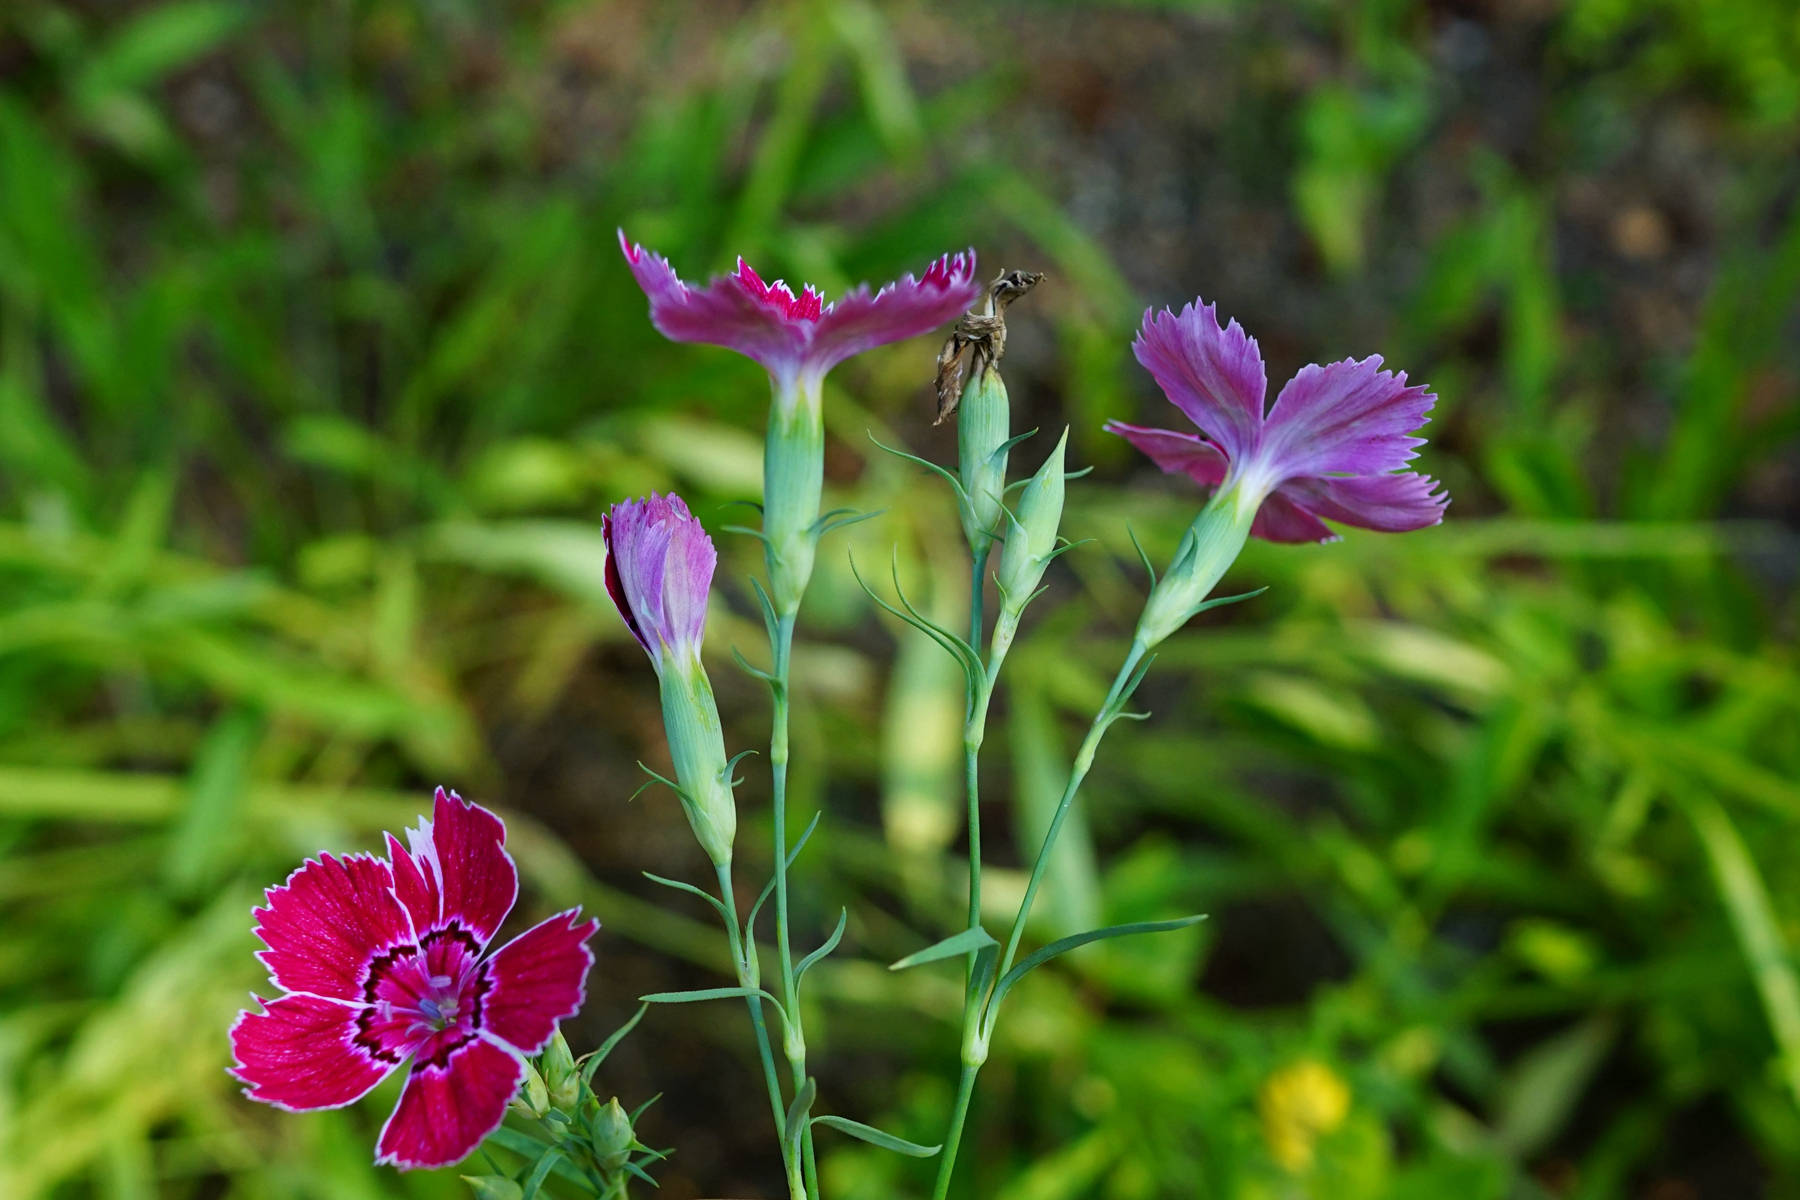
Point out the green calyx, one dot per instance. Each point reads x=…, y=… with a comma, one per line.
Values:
x=697, y=746
x=793, y=482
x=1207, y=550
x=983, y=432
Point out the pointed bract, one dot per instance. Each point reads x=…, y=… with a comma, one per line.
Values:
x=386, y=961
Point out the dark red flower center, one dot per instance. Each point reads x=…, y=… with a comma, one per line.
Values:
x=424, y=999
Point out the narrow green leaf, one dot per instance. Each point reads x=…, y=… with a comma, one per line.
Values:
x=1064, y=945
x=829, y=945
x=535, y=1180
x=591, y=1062
x=797, y=1114
x=683, y=886
x=768, y=889
x=950, y=947
x=877, y=1137
x=699, y=994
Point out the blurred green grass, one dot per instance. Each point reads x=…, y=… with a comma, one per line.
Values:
x=317, y=365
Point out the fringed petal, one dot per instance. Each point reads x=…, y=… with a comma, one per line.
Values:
x=765, y=322
x=539, y=978
x=862, y=320
x=1349, y=417
x=475, y=874
x=301, y=1053
x=1213, y=374
x=326, y=924
x=445, y=1111
x=1177, y=453
x=1393, y=503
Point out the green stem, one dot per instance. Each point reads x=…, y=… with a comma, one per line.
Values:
x=975, y=724
x=781, y=650
x=965, y=1089
x=754, y=1003
x=1084, y=759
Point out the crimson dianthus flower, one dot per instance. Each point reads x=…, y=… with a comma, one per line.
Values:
x=385, y=960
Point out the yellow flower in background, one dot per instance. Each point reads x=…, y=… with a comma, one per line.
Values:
x=1299, y=1104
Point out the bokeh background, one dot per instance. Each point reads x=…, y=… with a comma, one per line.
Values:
x=318, y=364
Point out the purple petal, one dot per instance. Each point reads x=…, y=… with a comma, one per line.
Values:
x=1388, y=503
x=659, y=571
x=1213, y=375
x=1349, y=417
x=1177, y=453
x=765, y=322
x=687, y=580
x=1280, y=519
x=906, y=308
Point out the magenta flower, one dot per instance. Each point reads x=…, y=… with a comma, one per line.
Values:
x=796, y=336
x=385, y=960
x=659, y=569
x=1332, y=446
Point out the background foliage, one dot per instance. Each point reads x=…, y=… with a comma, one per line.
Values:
x=318, y=363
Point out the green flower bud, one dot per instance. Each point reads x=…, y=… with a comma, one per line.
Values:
x=560, y=1077
x=697, y=745
x=1030, y=543
x=612, y=1135
x=493, y=1187
x=793, y=481
x=1208, y=548
x=533, y=1100
x=983, y=425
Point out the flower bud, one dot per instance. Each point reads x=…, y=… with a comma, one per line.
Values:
x=659, y=568
x=793, y=481
x=1030, y=543
x=560, y=1077
x=613, y=1137
x=983, y=425
x=493, y=1187
x=1208, y=548
x=1031, y=540
x=534, y=1099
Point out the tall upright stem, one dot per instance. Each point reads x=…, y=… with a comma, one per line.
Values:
x=747, y=978
x=977, y=1020
x=972, y=750
x=965, y=1089
x=1084, y=759
x=793, y=1042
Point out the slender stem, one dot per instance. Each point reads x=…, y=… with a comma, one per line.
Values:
x=811, y=1164
x=978, y=1024
x=976, y=723
x=771, y=1080
x=781, y=650
x=965, y=1088
x=1084, y=759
